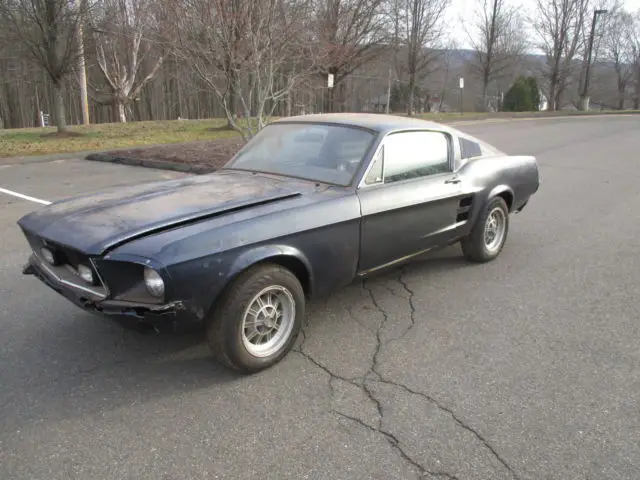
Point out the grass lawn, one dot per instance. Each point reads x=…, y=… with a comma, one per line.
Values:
x=39, y=141
x=109, y=136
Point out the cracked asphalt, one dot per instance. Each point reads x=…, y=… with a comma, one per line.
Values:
x=527, y=367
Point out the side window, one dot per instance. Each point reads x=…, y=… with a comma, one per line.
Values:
x=469, y=149
x=375, y=173
x=415, y=154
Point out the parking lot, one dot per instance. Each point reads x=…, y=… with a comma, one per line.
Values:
x=527, y=367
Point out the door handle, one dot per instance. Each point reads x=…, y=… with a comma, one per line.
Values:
x=453, y=180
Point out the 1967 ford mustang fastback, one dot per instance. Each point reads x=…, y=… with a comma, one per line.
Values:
x=307, y=206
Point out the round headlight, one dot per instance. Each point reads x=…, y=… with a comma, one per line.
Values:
x=154, y=282
x=48, y=256
x=85, y=273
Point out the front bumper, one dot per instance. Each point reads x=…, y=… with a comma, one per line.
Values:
x=173, y=314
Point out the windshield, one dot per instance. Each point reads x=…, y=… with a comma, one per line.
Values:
x=322, y=153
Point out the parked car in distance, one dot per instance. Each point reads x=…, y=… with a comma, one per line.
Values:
x=307, y=206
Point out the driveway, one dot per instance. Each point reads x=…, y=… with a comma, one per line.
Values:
x=527, y=367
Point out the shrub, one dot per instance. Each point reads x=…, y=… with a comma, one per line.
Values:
x=523, y=96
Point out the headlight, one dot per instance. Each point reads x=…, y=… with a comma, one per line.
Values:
x=154, y=282
x=85, y=273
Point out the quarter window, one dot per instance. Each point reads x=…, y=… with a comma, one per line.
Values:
x=469, y=149
x=410, y=155
x=375, y=172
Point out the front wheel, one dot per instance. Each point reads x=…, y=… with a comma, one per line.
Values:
x=258, y=319
x=489, y=234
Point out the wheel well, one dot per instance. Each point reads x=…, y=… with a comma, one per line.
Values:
x=296, y=266
x=507, y=197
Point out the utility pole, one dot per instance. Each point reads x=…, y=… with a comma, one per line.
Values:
x=584, y=95
x=461, y=95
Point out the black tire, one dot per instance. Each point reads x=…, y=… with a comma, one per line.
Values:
x=224, y=329
x=473, y=246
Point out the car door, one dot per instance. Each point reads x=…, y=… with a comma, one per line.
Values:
x=409, y=198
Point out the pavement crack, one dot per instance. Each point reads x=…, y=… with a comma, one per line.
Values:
x=443, y=475
x=395, y=443
x=412, y=306
x=373, y=375
x=327, y=370
x=375, y=401
x=457, y=419
x=381, y=325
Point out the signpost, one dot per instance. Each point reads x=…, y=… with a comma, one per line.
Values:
x=330, y=79
x=461, y=95
x=44, y=119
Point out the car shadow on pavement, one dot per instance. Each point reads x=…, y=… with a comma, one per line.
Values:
x=93, y=364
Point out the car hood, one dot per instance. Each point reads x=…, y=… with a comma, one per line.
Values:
x=96, y=223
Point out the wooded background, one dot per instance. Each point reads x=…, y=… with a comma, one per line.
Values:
x=193, y=59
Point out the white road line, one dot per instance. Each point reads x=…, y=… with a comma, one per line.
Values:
x=25, y=197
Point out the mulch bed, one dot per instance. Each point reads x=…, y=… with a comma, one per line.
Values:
x=193, y=157
x=67, y=134
x=206, y=156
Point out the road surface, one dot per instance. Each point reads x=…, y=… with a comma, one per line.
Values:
x=527, y=367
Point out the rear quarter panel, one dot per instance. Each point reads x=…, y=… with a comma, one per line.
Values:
x=492, y=175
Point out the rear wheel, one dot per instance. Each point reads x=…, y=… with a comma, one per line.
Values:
x=258, y=319
x=489, y=234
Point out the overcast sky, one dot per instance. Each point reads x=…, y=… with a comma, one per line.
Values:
x=465, y=9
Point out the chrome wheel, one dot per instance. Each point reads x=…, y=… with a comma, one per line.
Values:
x=494, y=229
x=268, y=321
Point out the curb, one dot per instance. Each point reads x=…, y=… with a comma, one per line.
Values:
x=157, y=164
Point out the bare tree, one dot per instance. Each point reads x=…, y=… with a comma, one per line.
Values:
x=349, y=33
x=418, y=28
x=619, y=41
x=48, y=30
x=602, y=25
x=559, y=25
x=498, y=40
x=251, y=54
x=635, y=58
x=121, y=31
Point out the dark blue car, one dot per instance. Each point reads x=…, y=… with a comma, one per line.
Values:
x=307, y=206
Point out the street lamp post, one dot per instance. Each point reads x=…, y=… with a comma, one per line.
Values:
x=584, y=96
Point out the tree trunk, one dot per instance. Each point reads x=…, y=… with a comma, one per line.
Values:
x=122, y=114
x=84, y=98
x=233, y=83
x=411, y=93
x=485, y=87
x=552, y=97
x=621, y=91
x=119, y=111
x=59, y=113
x=558, y=100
